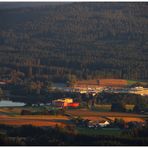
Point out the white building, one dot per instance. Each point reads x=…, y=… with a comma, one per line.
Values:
x=104, y=123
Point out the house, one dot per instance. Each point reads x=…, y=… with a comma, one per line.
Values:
x=3, y=82
x=42, y=104
x=104, y=123
x=59, y=103
x=74, y=104
x=66, y=102
x=48, y=104
x=93, y=124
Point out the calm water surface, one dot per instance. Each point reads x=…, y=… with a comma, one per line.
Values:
x=5, y=103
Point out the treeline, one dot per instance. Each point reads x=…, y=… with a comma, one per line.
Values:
x=67, y=136
x=82, y=40
x=105, y=98
x=118, y=102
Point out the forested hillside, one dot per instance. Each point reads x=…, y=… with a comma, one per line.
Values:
x=82, y=40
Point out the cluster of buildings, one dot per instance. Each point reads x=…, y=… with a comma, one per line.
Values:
x=134, y=90
x=102, y=124
x=108, y=86
x=4, y=82
x=108, y=123
x=65, y=102
x=90, y=86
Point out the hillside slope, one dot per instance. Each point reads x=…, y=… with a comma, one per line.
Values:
x=83, y=40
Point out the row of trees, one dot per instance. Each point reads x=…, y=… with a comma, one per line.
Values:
x=33, y=136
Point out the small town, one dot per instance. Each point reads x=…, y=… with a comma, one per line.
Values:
x=73, y=108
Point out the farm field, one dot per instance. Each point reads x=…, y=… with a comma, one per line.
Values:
x=35, y=120
x=128, y=119
x=130, y=82
x=86, y=112
x=93, y=115
x=17, y=110
x=11, y=116
x=107, y=107
x=113, y=82
x=10, y=110
x=101, y=82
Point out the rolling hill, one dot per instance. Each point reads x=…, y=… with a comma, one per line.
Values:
x=76, y=41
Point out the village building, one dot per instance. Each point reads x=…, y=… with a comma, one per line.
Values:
x=95, y=124
x=66, y=102
x=104, y=123
x=3, y=83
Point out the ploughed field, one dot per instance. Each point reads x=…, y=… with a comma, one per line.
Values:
x=113, y=82
x=102, y=82
x=11, y=116
x=99, y=116
x=35, y=120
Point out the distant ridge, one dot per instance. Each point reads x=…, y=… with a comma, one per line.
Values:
x=13, y=5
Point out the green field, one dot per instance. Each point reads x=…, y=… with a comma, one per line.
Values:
x=17, y=110
x=107, y=107
x=130, y=82
x=104, y=131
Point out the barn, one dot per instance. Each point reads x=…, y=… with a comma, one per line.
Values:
x=67, y=102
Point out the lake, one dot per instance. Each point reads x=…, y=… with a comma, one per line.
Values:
x=6, y=103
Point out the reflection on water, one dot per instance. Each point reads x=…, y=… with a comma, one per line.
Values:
x=4, y=103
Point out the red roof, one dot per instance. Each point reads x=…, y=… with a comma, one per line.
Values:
x=76, y=104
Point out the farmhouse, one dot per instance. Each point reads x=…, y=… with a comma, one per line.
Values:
x=66, y=102
x=92, y=124
x=59, y=103
x=98, y=124
x=4, y=82
x=104, y=123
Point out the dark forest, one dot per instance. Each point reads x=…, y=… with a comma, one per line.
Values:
x=75, y=41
